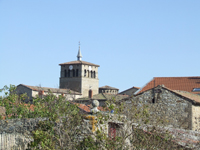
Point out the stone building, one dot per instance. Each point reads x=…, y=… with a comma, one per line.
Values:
x=33, y=91
x=80, y=76
x=108, y=89
x=178, y=109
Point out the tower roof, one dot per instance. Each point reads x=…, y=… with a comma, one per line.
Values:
x=79, y=62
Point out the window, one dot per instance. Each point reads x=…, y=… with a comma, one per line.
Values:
x=65, y=73
x=91, y=74
x=85, y=72
x=153, y=100
x=76, y=72
x=73, y=73
x=196, y=90
x=94, y=75
x=69, y=73
x=88, y=73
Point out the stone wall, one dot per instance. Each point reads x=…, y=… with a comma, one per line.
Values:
x=174, y=110
x=89, y=83
x=195, y=118
x=15, y=133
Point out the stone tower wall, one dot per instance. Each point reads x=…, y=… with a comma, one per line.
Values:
x=84, y=82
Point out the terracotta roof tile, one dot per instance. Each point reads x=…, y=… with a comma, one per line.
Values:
x=174, y=83
x=79, y=62
x=87, y=108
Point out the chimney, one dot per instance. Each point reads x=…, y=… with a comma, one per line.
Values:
x=41, y=92
x=90, y=93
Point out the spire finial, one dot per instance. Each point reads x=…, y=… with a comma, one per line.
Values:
x=79, y=56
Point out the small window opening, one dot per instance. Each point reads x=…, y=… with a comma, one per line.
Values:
x=91, y=74
x=69, y=73
x=73, y=73
x=196, y=90
x=94, y=74
x=65, y=73
x=76, y=72
x=85, y=72
x=153, y=100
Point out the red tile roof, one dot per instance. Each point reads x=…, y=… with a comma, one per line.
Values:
x=87, y=108
x=79, y=62
x=174, y=83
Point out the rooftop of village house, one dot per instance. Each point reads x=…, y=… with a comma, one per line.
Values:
x=174, y=83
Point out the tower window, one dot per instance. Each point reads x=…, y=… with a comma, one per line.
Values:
x=69, y=73
x=94, y=74
x=65, y=73
x=73, y=73
x=88, y=73
x=76, y=72
x=85, y=72
x=91, y=74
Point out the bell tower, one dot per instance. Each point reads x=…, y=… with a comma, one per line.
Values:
x=80, y=76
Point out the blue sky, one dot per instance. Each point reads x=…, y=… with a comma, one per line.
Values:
x=132, y=41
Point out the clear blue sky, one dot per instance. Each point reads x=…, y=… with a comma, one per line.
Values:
x=132, y=40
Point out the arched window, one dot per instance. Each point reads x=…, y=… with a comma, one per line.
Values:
x=88, y=73
x=76, y=72
x=65, y=73
x=91, y=74
x=69, y=73
x=94, y=74
x=73, y=73
x=85, y=72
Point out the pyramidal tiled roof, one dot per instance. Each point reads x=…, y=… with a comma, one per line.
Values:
x=77, y=62
x=174, y=83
